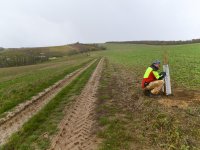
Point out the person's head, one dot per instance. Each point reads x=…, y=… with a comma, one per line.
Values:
x=156, y=63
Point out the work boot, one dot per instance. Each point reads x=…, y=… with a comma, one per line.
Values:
x=147, y=92
x=162, y=93
x=155, y=95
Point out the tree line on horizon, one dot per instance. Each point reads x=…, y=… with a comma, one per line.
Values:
x=149, y=42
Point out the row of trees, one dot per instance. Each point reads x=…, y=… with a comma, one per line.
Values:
x=84, y=48
x=8, y=61
x=25, y=56
x=159, y=42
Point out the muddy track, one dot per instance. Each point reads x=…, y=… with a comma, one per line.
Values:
x=76, y=130
x=14, y=120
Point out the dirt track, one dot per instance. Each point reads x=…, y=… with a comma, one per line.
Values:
x=76, y=129
x=23, y=112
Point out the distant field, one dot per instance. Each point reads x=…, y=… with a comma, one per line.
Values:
x=18, y=84
x=184, y=60
x=33, y=55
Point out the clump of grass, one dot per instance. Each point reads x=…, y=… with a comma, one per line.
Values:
x=167, y=133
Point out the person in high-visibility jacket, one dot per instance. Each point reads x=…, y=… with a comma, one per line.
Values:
x=153, y=82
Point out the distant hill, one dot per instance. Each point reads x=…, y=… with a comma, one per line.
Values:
x=33, y=55
x=1, y=48
x=158, y=42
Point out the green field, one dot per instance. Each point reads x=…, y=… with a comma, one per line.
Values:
x=184, y=60
x=126, y=118
x=18, y=84
x=46, y=121
x=139, y=122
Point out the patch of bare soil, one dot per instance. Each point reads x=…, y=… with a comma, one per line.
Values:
x=14, y=120
x=182, y=98
x=174, y=103
x=76, y=130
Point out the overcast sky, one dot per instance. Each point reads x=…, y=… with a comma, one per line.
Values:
x=25, y=23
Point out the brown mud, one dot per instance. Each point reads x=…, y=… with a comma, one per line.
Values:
x=181, y=98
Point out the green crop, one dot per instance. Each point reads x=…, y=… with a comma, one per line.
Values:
x=184, y=60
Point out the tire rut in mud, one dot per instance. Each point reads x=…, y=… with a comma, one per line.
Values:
x=23, y=112
x=76, y=129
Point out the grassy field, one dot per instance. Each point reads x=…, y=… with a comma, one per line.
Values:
x=18, y=84
x=127, y=119
x=139, y=122
x=37, y=132
x=184, y=60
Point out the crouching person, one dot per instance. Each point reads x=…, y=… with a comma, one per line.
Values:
x=153, y=82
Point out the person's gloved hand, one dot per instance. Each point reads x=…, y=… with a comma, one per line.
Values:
x=162, y=75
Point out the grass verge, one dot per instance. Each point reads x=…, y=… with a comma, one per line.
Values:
x=36, y=133
x=111, y=127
